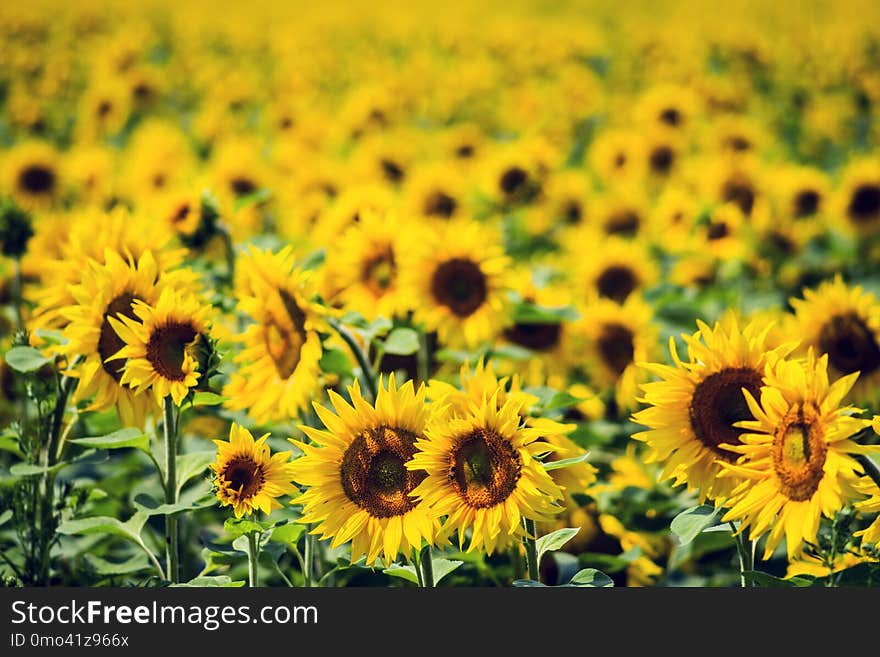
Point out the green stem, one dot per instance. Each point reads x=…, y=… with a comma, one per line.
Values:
x=308, y=559
x=746, y=551
x=369, y=375
x=229, y=250
x=171, y=538
x=426, y=566
x=423, y=358
x=253, y=557
x=17, y=293
x=530, y=543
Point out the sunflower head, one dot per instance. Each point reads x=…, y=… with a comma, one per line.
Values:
x=247, y=476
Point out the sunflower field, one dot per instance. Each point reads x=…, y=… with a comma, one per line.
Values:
x=466, y=294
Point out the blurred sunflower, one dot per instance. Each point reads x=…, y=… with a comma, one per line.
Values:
x=619, y=268
x=858, y=197
x=247, y=476
x=796, y=461
x=278, y=365
x=455, y=281
x=32, y=174
x=357, y=473
x=483, y=474
x=694, y=408
x=843, y=322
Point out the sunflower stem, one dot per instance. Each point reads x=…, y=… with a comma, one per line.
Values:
x=308, y=559
x=253, y=557
x=530, y=543
x=423, y=358
x=871, y=468
x=17, y=293
x=426, y=566
x=369, y=375
x=171, y=538
x=746, y=551
x=229, y=251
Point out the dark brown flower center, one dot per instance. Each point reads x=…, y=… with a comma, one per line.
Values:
x=513, y=180
x=739, y=191
x=537, y=337
x=465, y=151
x=374, y=474
x=806, y=203
x=670, y=116
x=864, y=205
x=109, y=343
x=285, y=336
x=850, y=344
x=617, y=282
x=379, y=271
x=37, y=179
x=392, y=171
x=181, y=213
x=623, y=222
x=460, y=285
x=661, y=159
x=243, y=476
x=738, y=143
x=166, y=349
x=717, y=230
x=573, y=211
x=484, y=468
x=717, y=403
x=799, y=452
x=616, y=347
x=104, y=108
x=242, y=186
x=440, y=204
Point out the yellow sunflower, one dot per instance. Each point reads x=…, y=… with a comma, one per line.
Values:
x=278, y=366
x=356, y=471
x=617, y=268
x=161, y=343
x=870, y=534
x=843, y=322
x=455, y=280
x=32, y=174
x=858, y=197
x=247, y=476
x=483, y=474
x=796, y=461
x=693, y=408
x=107, y=291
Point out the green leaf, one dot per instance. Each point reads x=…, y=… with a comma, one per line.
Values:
x=442, y=567
x=529, y=313
x=117, y=440
x=508, y=352
x=690, y=522
x=555, y=540
x=151, y=507
x=192, y=465
x=104, y=567
x=104, y=525
x=526, y=583
x=402, y=342
x=564, y=463
x=257, y=197
x=9, y=443
x=30, y=470
x=288, y=534
x=765, y=580
x=407, y=572
x=224, y=581
x=241, y=526
x=26, y=359
x=5, y=516
x=562, y=400
x=51, y=336
x=206, y=398
x=590, y=577
x=335, y=361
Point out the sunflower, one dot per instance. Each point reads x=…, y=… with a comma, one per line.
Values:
x=693, y=408
x=621, y=214
x=361, y=272
x=247, y=476
x=668, y=106
x=796, y=461
x=106, y=291
x=278, y=367
x=483, y=473
x=619, y=268
x=871, y=534
x=435, y=192
x=618, y=157
x=843, y=322
x=161, y=344
x=357, y=473
x=618, y=337
x=33, y=174
x=455, y=281
x=858, y=197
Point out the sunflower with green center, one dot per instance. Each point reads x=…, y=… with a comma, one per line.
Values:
x=796, y=462
x=483, y=474
x=356, y=471
x=455, y=281
x=107, y=291
x=844, y=322
x=247, y=476
x=161, y=344
x=278, y=365
x=693, y=408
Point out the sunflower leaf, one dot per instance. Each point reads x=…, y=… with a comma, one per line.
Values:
x=688, y=524
x=590, y=577
x=224, y=581
x=527, y=583
x=26, y=359
x=5, y=516
x=765, y=580
x=564, y=463
x=529, y=313
x=562, y=400
x=241, y=526
x=401, y=342
x=206, y=398
x=288, y=534
x=555, y=540
x=442, y=567
x=407, y=572
x=123, y=438
x=335, y=361
x=192, y=465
